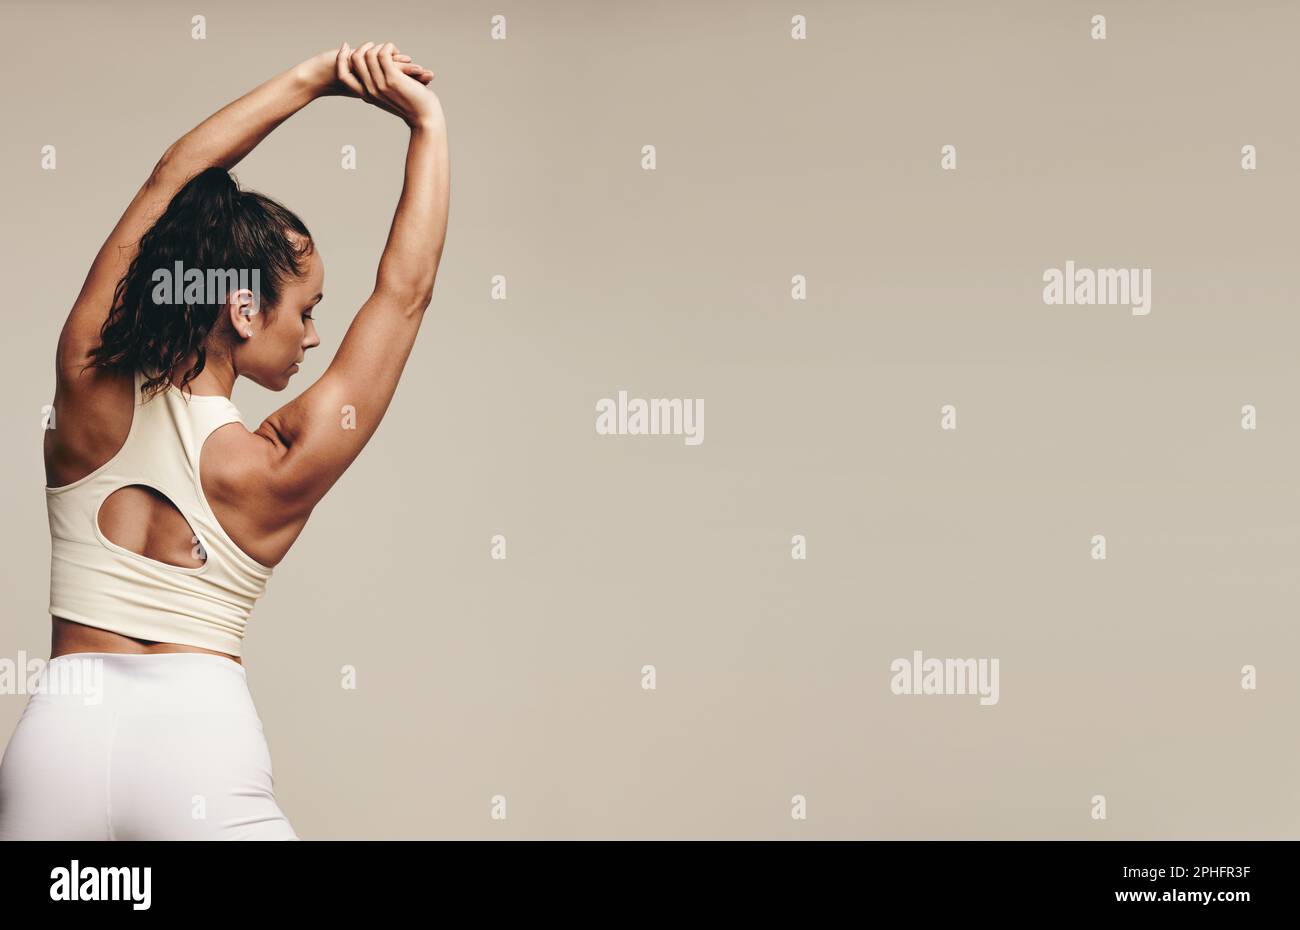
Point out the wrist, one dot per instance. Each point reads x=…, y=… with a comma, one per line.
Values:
x=314, y=77
x=427, y=122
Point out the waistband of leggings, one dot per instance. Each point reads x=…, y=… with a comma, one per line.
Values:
x=130, y=660
x=145, y=683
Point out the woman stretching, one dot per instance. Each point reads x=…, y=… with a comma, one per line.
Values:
x=166, y=514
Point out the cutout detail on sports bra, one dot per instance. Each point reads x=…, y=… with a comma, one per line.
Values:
x=142, y=521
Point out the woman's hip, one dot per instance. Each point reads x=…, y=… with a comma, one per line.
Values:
x=139, y=746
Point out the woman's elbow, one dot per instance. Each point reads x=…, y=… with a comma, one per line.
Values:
x=168, y=170
x=412, y=297
x=420, y=300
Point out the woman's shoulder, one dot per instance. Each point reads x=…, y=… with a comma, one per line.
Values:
x=238, y=473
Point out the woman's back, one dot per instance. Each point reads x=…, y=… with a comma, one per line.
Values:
x=136, y=547
x=91, y=434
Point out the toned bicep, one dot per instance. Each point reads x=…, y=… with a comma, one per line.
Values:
x=320, y=433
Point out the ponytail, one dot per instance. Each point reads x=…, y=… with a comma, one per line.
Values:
x=210, y=224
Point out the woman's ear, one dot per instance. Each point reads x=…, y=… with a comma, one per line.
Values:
x=241, y=306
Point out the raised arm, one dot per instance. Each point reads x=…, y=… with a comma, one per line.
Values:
x=222, y=139
x=316, y=436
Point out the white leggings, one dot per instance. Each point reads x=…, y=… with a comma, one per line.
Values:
x=156, y=746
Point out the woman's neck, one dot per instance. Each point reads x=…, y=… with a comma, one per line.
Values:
x=216, y=379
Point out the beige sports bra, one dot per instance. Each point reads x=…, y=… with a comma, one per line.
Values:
x=101, y=584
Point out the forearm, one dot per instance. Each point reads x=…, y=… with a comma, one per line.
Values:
x=226, y=136
x=409, y=263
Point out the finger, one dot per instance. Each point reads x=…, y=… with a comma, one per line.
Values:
x=415, y=71
x=343, y=71
x=387, y=65
x=389, y=69
x=376, y=69
x=362, y=71
x=361, y=66
x=402, y=58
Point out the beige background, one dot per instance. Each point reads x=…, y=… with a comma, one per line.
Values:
x=522, y=677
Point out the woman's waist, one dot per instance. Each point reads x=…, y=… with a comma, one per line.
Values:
x=158, y=681
x=70, y=636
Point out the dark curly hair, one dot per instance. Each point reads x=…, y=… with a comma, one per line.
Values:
x=209, y=224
